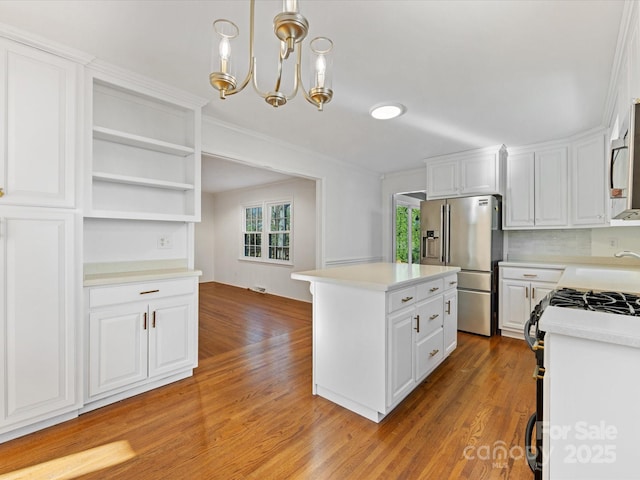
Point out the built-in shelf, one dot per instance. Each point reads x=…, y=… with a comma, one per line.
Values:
x=139, y=141
x=145, y=182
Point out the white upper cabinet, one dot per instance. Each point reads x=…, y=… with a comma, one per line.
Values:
x=550, y=187
x=588, y=182
x=537, y=194
x=559, y=185
x=476, y=172
x=145, y=151
x=39, y=127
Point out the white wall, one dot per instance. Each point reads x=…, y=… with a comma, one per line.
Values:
x=226, y=221
x=349, y=218
x=111, y=240
x=205, y=240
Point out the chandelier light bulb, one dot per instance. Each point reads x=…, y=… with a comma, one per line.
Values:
x=291, y=28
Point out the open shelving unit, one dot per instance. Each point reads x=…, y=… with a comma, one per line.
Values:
x=145, y=153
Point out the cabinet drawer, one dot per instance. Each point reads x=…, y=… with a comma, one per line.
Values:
x=429, y=289
x=429, y=353
x=132, y=292
x=430, y=316
x=450, y=281
x=401, y=298
x=531, y=274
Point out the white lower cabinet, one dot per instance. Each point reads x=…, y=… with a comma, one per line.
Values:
x=38, y=319
x=134, y=344
x=373, y=346
x=421, y=334
x=521, y=289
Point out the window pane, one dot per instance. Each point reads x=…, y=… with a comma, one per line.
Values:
x=402, y=254
x=415, y=236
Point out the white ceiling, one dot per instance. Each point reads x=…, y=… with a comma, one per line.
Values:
x=471, y=73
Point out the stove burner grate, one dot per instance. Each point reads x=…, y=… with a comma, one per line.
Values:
x=610, y=302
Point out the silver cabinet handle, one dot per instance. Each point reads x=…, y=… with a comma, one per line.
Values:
x=448, y=307
x=417, y=329
x=434, y=316
x=530, y=275
x=434, y=352
x=149, y=291
x=406, y=299
x=434, y=289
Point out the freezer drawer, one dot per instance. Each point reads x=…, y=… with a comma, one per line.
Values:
x=474, y=312
x=474, y=280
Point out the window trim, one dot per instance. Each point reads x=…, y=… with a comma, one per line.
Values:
x=266, y=230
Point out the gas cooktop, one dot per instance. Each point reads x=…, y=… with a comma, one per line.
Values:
x=611, y=302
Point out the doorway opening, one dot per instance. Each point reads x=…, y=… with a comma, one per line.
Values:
x=406, y=226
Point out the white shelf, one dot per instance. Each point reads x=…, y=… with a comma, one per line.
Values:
x=125, y=138
x=145, y=182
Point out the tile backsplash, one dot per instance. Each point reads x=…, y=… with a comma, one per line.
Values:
x=585, y=242
x=574, y=242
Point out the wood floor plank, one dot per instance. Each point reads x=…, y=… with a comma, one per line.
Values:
x=248, y=412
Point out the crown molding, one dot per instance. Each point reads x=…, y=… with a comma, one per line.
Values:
x=628, y=20
x=144, y=84
x=36, y=41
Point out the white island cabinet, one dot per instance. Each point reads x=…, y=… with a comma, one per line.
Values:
x=378, y=330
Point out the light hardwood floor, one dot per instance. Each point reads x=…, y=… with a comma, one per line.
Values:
x=248, y=413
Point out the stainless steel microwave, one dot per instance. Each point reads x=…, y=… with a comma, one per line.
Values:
x=624, y=170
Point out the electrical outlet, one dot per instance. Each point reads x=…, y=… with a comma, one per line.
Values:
x=613, y=242
x=165, y=241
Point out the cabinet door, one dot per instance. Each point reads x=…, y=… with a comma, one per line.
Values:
x=172, y=335
x=38, y=127
x=37, y=315
x=429, y=353
x=117, y=347
x=551, y=196
x=519, y=201
x=479, y=174
x=515, y=304
x=538, y=292
x=400, y=355
x=442, y=179
x=589, y=191
x=450, y=321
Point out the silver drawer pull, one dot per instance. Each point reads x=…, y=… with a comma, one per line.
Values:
x=433, y=353
x=452, y=283
x=434, y=316
x=434, y=289
x=406, y=299
x=530, y=275
x=149, y=291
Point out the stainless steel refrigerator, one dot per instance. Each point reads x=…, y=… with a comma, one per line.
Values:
x=467, y=233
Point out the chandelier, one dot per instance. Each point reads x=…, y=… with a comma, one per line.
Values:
x=291, y=28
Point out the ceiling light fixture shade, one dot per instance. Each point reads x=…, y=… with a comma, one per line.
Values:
x=291, y=28
x=387, y=111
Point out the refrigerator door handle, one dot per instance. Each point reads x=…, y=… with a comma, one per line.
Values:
x=447, y=233
x=443, y=255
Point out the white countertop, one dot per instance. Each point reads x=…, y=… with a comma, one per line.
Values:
x=376, y=276
x=601, y=279
x=110, y=273
x=599, y=326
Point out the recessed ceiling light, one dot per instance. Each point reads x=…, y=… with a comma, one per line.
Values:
x=387, y=111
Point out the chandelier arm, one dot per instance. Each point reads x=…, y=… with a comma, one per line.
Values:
x=298, y=78
x=255, y=80
x=251, y=72
x=280, y=62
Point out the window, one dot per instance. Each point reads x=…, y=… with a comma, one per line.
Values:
x=253, y=232
x=273, y=235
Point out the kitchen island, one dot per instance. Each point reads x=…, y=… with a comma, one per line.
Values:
x=378, y=330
